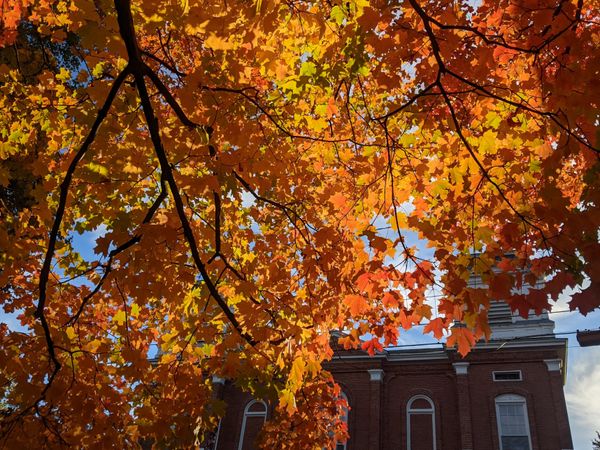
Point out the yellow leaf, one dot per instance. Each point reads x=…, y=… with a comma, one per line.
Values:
x=97, y=168
x=287, y=400
x=130, y=168
x=71, y=333
x=92, y=346
x=298, y=371
x=216, y=43
x=119, y=317
x=308, y=69
x=337, y=15
x=185, y=5
x=196, y=29
x=487, y=142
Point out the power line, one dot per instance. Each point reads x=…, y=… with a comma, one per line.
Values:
x=516, y=338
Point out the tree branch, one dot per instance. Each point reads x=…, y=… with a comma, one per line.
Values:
x=113, y=253
x=64, y=191
x=138, y=68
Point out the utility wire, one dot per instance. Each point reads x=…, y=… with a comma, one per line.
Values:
x=506, y=340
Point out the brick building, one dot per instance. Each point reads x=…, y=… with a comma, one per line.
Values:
x=507, y=394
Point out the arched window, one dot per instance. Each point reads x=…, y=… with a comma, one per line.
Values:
x=255, y=415
x=343, y=445
x=211, y=442
x=420, y=423
x=513, y=422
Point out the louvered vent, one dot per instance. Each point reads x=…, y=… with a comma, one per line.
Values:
x=499, y=312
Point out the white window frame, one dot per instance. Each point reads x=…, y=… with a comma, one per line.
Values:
x=414, y=411
x=248, y=413
x=345, y=419
x=512, y=398
x=507, y=371
x=218, y=434
x=216, y=445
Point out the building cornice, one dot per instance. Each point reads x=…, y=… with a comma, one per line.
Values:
x=444, y=353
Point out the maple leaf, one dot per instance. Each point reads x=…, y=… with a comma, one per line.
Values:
x=357, y=304
x=435, y=326
x=298, y=371
x=463, y=338
x=500, y=286
x=217, y=43
x=339, y=201
x=390, y=300
x=287, y=400
x=254, y=177
x=372, y=346
x=332, y=108
x=587, y=300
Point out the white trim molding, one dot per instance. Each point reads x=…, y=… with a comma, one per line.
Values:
x=509, y=375
x=553, y=364
x=420, y=411
x=461, y=368
x=248, y=413
x=217, y=380
x=518, y=401
x=376, y=375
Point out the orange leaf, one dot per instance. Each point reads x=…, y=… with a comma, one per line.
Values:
x=357, y=304
x=339, y=201
x=435, y=326
x=332, y=108
x=463, y=338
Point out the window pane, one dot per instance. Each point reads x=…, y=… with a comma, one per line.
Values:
x=258, y=407
x=420, y=403
x=253, y=427
x=515, y=443
x=421, y=431
x=512, y=419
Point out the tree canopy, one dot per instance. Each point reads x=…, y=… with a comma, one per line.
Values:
x=253, y=175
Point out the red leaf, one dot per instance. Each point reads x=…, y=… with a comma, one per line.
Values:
x=587, y=300
x=500, y=286
x=372, y=346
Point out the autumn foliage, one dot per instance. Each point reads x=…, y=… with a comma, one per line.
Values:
x=253, y=174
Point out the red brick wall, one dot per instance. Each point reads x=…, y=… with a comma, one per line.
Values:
x=378, y=415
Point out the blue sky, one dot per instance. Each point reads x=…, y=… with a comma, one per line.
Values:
x=582, y=390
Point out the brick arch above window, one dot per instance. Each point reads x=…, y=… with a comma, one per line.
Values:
x=345, y=389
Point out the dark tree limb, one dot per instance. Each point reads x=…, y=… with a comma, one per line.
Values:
x=54, y=232
x=113, y=253
x=139, y=72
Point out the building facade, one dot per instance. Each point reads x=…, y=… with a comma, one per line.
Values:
x=507, y=394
